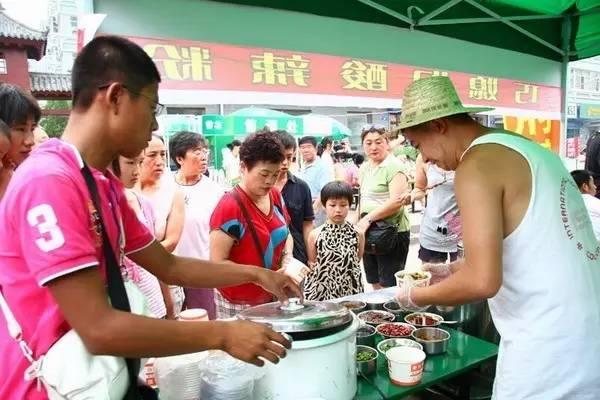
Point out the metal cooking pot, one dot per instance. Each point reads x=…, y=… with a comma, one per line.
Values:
x=322, y=360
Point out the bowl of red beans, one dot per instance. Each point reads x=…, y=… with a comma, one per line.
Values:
x=395, y=330
x=424, y=319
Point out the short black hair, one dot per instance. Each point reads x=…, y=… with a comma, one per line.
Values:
x=336, y=190
x=116, y=167
x=4, y=129
x=262, y=145
x=108, y=59
x=358, y=159
x=581, y=176
x=16, y=105
x=288, y=141
x=234, y=143
x=182, y=141
x=307, y=139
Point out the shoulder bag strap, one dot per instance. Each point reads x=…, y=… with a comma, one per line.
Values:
x=116, y=287
x=238, y=199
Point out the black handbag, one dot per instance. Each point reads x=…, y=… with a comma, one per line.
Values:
x=381, y=238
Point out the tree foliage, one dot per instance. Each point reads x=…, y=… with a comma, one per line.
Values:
x=54, y=125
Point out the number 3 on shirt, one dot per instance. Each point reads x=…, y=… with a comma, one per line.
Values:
x=43, y=218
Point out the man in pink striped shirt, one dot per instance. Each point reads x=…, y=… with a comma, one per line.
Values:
x=53, y=273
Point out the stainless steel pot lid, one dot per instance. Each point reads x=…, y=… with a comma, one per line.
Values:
x=298, y=317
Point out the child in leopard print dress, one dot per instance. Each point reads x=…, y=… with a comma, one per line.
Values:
x=334, y=249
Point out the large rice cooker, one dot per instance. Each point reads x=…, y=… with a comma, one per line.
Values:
x=322, y=361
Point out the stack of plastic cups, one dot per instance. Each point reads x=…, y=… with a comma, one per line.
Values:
x=178, y=376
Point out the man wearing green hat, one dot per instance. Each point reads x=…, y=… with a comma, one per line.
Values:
x=529, y=248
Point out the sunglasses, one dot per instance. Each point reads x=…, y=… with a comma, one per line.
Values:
x=374, y=128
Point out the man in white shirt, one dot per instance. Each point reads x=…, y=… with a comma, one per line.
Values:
x=587, y=187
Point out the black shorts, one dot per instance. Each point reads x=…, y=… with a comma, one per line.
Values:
x=432, y=256
x=381, y=269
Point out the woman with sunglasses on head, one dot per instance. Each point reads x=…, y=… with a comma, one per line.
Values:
x=168, y=206
x=384, y=193
x=440, y=226
x=189, y=151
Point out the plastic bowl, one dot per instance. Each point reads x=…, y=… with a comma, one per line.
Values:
x=383, y=329
x=367, y=367
x=417, y=281
x=388, y=344
x=365, y=335
x=375, y=317
x=434, y=340
x=422, y=319
x=405, y=365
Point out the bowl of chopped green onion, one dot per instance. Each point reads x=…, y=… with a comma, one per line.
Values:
x=366, y=359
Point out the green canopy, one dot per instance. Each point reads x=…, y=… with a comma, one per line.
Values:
x=321, y=125
x=250, y=119
x=533, y=27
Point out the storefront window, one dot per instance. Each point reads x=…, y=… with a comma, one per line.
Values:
x=356, y=121
x=3, y=69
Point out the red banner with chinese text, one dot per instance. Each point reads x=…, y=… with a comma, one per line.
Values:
x=192, y=65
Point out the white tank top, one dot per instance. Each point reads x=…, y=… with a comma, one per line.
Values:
x=200, y=202
x=440, y=227
x=548, y=308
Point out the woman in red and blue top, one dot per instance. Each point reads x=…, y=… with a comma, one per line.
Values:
x=231, y=236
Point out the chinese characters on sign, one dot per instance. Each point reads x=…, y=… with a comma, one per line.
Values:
x=364, y=76
x=182, y=63
x=274, y=70
x=420, y=74
x=483, y=88
x=197, y=66
x=526, y=93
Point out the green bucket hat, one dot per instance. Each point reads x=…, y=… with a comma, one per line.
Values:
x=431, y=98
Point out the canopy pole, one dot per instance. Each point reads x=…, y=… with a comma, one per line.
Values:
x=388, y=11
x=438, y=11
x=478, y=20
x=564, y=83
x=514, y=26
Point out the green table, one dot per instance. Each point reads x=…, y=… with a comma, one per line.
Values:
x=464, y=353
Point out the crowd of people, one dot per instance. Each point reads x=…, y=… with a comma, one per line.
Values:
x=283, y=231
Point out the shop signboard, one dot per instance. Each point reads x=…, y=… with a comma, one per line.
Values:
x=543, y=131
x=212, y=124
x=192, y=65
x=589, y=111
x=572, y=110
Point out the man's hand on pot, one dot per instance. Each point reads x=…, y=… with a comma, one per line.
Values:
x=247, y=341
x=280, y=284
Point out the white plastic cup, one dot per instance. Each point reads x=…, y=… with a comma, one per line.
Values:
x=415, y=283
x=193, y=314
x=405, y=365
